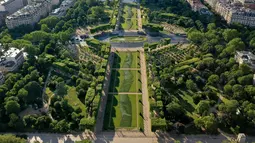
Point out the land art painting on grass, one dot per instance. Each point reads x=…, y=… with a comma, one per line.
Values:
x=124, y=99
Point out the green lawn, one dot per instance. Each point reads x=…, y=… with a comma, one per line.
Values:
x=125, y=81
x=74, y=101
x=130, y=17
x=122, y=111
x=128, y=39
x=126, y=60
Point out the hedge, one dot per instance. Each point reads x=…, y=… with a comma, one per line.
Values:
x=153, y=27
x=93, y=43
x=101, y=28
x=182, y=69
x=153, y=45
x=158, y=124
x=190, y=61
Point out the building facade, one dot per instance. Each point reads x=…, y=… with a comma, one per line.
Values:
x=8, y=7
x=197, y=6
x=234, y=11
x=61, y=11
x=245, y=57
x=11, y=60
x=29, y=15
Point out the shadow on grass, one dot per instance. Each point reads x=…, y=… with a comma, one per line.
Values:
x=110, y=112
x=117, y=61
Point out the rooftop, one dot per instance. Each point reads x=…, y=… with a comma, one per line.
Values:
x=27, y=10
x=235, y=7
x=12, y=52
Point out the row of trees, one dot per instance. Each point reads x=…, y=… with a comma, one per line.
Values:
x=208, y=90
x=45, y=46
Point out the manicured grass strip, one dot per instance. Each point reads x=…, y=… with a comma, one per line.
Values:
x=123, y=113
x=130, y=17
x=126, y=81
x=128, y=39
x=124, y=58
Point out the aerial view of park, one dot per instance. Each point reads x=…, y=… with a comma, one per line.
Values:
x=127, y=71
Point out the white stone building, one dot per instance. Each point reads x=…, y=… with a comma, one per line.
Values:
x=246, y=57
x=197, y=6
x=11, y=6
x=11, y=60
x=29, y=15
x=233, y=12
x=8, y=7
x=61, y=11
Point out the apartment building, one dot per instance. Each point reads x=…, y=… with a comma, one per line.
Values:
x=197, y=6
x=11, y=6
x=61, y=11
x=8, y=7
x=234, y=11
x=245, y=57
x=11, y=60
x=29, y=15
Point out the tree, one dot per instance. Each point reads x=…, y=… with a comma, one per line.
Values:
x=42, y=122
x=228, y=89
x=191, y=85
x=87, y=123
x=250, y=90
x=233, y=45
x=45, y=28
x=230, y=34
x=32, y=51
x=61, y=126
x=213, y=79
x=245, y=69
x=175, y=111
x=196, y=37
x=12, y=107
x=22, y=94
x=37, y=36
x=203, y=107
x=252, y=43
x=34, y=93
x=11, y=139
x=49, y=21
x=61, y=89
x=207, y=122
x=229, y=107
x=13, y=120
x=29, y=121
x=90, y=95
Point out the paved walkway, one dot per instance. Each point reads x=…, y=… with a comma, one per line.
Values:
x=146, y=104
x=101, y=110
x=139, y=18
x=128, y=137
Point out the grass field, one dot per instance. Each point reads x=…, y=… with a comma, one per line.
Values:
x=74, y=101
x=128, y=39
x=125, y=81
x=123, y=111
x=126, y=60
x=130, y=17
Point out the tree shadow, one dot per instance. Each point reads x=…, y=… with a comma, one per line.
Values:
x=116, y=61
